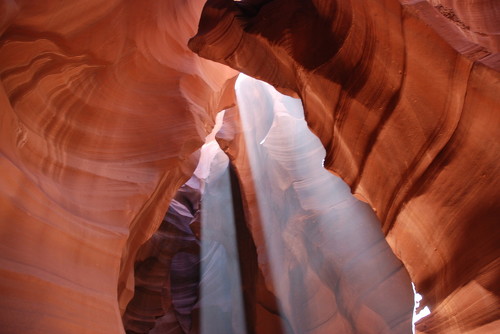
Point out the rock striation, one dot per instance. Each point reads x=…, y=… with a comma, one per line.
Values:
x=102, y=107
x=407, y=106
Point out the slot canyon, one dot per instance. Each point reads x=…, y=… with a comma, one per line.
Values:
x=253, y=166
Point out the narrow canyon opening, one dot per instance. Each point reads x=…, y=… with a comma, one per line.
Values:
x=262, y=233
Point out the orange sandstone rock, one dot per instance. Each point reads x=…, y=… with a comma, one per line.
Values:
x=407, y=107
x=102, y=106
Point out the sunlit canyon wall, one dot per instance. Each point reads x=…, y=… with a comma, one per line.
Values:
x=326, y=261
x=104, y=109
x=305, y=266
x=407, y=106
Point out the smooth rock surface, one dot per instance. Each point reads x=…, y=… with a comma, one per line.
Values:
x=408, y=109
x=102, y=106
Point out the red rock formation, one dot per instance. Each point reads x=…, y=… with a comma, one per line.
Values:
x=102, y=106
x=408, y=111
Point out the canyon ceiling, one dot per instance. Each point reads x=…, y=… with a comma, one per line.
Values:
x=123, y=210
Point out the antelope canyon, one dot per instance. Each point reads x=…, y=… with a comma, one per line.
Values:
x=253, y=166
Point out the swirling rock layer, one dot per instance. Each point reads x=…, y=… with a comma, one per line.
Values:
x=101, y=108
x=408, y=109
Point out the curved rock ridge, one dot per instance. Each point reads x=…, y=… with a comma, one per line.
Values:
x=321, y=251
x=408, y=111
x=102, y=107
